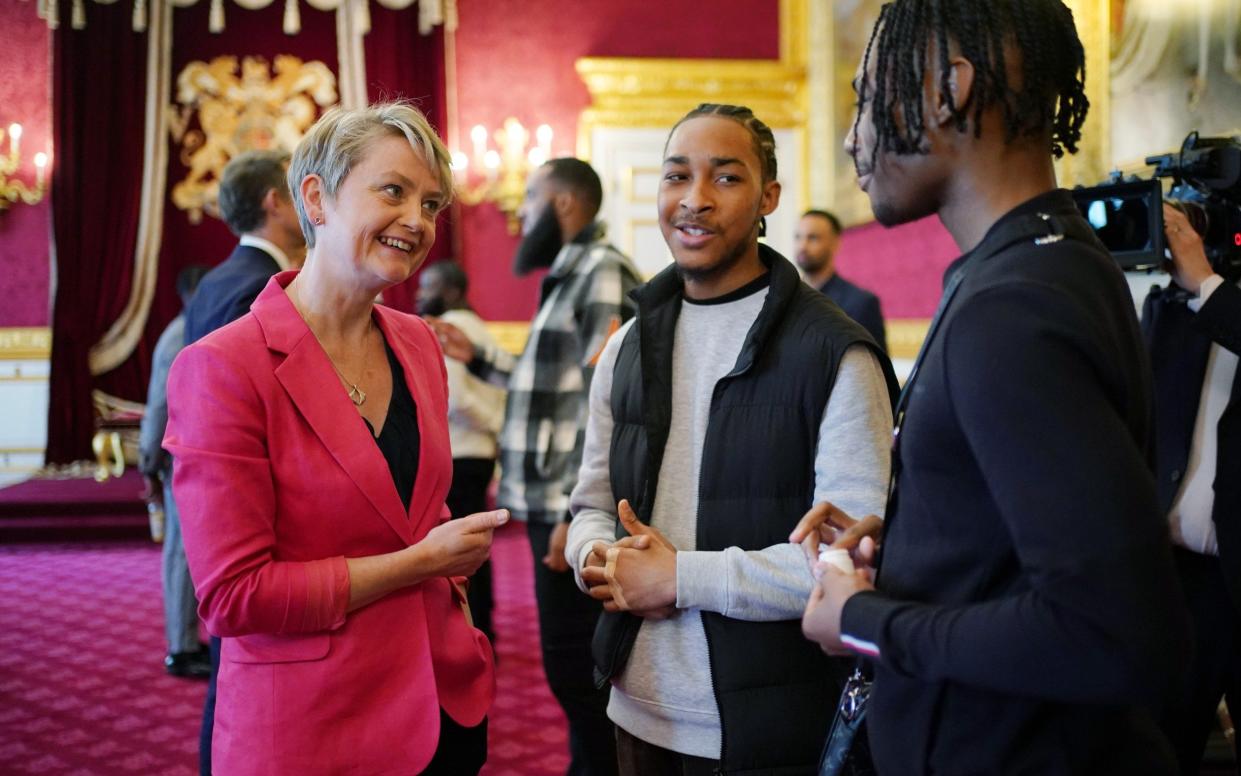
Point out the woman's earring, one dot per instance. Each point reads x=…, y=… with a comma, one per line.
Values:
x=318, y=220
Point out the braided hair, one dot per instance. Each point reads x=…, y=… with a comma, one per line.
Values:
x=1050, y=94
x=764, y=140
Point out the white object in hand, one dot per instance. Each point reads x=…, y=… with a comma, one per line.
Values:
x=836, y=557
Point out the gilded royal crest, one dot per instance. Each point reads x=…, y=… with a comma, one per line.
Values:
x=221, y=112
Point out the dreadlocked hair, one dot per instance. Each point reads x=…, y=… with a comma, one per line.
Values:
x=764, y=140
x=1050, y=94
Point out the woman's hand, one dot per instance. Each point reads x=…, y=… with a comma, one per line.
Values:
x=456, y=548
x=826, y=522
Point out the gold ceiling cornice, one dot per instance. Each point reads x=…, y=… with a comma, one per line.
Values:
x=651, y=92
x=657, y=92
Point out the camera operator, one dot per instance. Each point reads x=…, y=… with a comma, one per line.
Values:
x=1193, y=330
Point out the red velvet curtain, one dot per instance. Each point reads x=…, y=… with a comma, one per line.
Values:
x=97, y=174
x=98, y=84
x=246, y=33
x=403, y=63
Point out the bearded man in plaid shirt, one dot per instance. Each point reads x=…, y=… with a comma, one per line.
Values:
x=583, y=301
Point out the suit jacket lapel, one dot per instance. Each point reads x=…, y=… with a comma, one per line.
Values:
x=308, y=377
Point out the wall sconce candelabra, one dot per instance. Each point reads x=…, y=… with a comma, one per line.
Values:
x=12, y=189
x=499, y=174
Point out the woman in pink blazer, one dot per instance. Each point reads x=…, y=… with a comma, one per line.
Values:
x=311, y=454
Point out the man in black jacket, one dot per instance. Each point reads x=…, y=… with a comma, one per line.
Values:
x=1026, y=617
x=1193, y=329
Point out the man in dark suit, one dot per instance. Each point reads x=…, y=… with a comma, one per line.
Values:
x=256, y=205
x=1026, y=616
x=1193, y=330
x=816, y=242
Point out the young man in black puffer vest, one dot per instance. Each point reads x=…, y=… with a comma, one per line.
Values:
x=736, y=398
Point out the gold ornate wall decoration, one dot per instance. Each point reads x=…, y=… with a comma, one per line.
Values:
x=651, y=92
x=1092, y=161
x=632, y=92
x=222, y=111
x=25, y=343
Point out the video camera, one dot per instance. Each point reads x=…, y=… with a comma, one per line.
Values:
x=1127, y=214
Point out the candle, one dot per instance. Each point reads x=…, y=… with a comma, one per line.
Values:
x=544, y=136
x=479, y=136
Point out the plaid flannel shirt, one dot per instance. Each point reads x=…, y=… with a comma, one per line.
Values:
x=585, y=299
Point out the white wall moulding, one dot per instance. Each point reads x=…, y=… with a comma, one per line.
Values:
x=25, y=364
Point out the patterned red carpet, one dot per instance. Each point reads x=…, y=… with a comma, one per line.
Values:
x=83, y=691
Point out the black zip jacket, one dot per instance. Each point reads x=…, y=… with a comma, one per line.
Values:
x=1027, y=615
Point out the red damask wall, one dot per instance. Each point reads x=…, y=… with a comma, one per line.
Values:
x=904, y=266
x=516, y=59
x=513, y=59
x=24, y=89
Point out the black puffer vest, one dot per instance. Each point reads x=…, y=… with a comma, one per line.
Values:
x=775, y=690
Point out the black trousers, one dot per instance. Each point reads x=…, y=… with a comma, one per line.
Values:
x=1215, y=669
x=638, y=758
x=468, y=494
x=204, y=732
x=461, y=751
x=567, y=619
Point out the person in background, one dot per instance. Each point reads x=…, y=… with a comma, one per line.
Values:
x=816, y=242
x=475, y=414
x=1026, y=617
x=1193, y=330
x=310, y=441
x=256, y=205
x=583, y=301
x=187, y=657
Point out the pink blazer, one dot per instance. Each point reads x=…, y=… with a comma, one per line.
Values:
x=278, y=480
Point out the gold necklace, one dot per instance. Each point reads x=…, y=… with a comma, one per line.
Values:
x=356, y=394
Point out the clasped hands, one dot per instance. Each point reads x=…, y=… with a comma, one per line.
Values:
x=826, y=523
x=636, y=573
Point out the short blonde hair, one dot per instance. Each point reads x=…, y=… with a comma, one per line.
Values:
x=340, y=138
